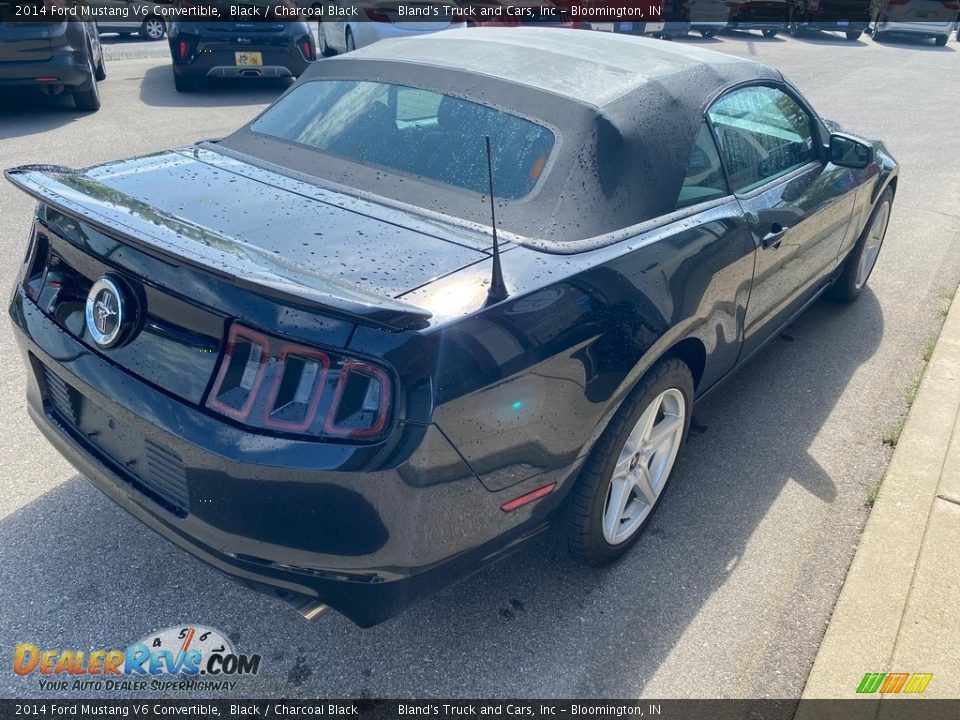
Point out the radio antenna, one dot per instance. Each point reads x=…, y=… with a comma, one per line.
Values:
x=498, y=289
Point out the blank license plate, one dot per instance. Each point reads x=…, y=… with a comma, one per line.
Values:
x=248, y=59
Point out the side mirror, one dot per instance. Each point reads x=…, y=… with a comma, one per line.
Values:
x=850, y=152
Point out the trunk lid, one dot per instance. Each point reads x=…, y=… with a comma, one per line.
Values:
x=265, y=232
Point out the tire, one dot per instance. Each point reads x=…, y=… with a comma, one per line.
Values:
x=101, y=71
x=153, y=28
x=88, y=100
x=348, y=41
x=770, y=33
x=322, y=48
x=707, y=34
x=184, y=83
x=795, y=29
x=942, y=40
x=593, y=531
x=860, y=262
x=854, y=35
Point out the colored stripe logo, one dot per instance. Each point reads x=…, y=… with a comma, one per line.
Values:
x=891, y=683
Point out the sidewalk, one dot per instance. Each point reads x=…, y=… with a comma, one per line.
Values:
x=899, y=610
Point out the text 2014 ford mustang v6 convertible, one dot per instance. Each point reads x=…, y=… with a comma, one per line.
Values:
x=302, y=354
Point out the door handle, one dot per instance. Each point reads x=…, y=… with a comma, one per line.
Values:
x=774, y=237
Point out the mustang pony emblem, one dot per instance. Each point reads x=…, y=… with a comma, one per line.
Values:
x=103, y=312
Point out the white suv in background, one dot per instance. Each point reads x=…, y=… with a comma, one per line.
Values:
x=924, y=18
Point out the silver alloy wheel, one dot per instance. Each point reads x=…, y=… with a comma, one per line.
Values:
x=154, y=28
x=643, y=466
x=871, y=244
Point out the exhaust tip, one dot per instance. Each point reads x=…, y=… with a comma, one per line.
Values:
x=308, y=607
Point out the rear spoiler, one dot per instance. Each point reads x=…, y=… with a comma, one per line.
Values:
x=177, y=240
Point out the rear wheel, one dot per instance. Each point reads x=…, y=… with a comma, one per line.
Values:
x=153, y=28
x=862, y=259
x=101, y=71
x=770, y=33
x=88, y=100
x=795, y=29
x=854, y=34
x=942, y=40
x=627, y=472
x=184, y=83
x=322, y=47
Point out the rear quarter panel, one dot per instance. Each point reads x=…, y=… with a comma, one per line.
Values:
x=526, y=386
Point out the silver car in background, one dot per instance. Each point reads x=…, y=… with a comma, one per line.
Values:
x=920, y=18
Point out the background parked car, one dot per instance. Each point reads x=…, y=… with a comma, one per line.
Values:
x=238, y=50
x=709, y=17
x=381, y=20
x=53, y=56
x=541, y=13
x=146, y=20
x=848, y=16
x=768, y=16
x=920, y=18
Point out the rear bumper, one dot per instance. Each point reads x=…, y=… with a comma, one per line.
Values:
x=216, y=57
x=299, y=520
x=922, y=29
x=65, y=70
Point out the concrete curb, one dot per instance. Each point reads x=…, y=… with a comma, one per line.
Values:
x=899, y=610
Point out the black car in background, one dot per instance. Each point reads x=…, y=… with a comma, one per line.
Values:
x=54, y=57
x=768, y=16
x=239, y=50
x=303, y=354
x=847, y=16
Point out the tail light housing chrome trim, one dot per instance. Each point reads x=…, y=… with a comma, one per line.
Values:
x=274, y=384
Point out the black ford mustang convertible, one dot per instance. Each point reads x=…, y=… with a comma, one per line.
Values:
x=302, y=354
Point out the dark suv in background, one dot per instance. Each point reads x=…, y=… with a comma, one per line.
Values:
x=239, y=50
x=55, y=57
x=848, y=16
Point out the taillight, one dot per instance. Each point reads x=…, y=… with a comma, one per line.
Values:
x=183, y=49
x=266, y=382
x=36, y=261
x=378, y=15
x=306, y=47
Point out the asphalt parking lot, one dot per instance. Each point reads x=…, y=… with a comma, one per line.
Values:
x=730, y=590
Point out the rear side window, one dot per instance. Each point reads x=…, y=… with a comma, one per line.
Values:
x=704, y=179
x=419, y=132
x=763, y=133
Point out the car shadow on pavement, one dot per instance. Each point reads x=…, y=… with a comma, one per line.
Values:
x=80, y=573
x=912, y=42
x=157, y=90
x=751, y=35
x=815, y=37
x=27, y=111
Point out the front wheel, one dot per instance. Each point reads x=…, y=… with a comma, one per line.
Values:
x=942, y=40
x=861, y=260
x=854, y=35
x=627, y=472
x=770, y=33
x=708, y=33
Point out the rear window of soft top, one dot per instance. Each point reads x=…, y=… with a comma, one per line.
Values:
x=419, y=132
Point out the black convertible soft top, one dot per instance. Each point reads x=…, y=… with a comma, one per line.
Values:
x=625, y=111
